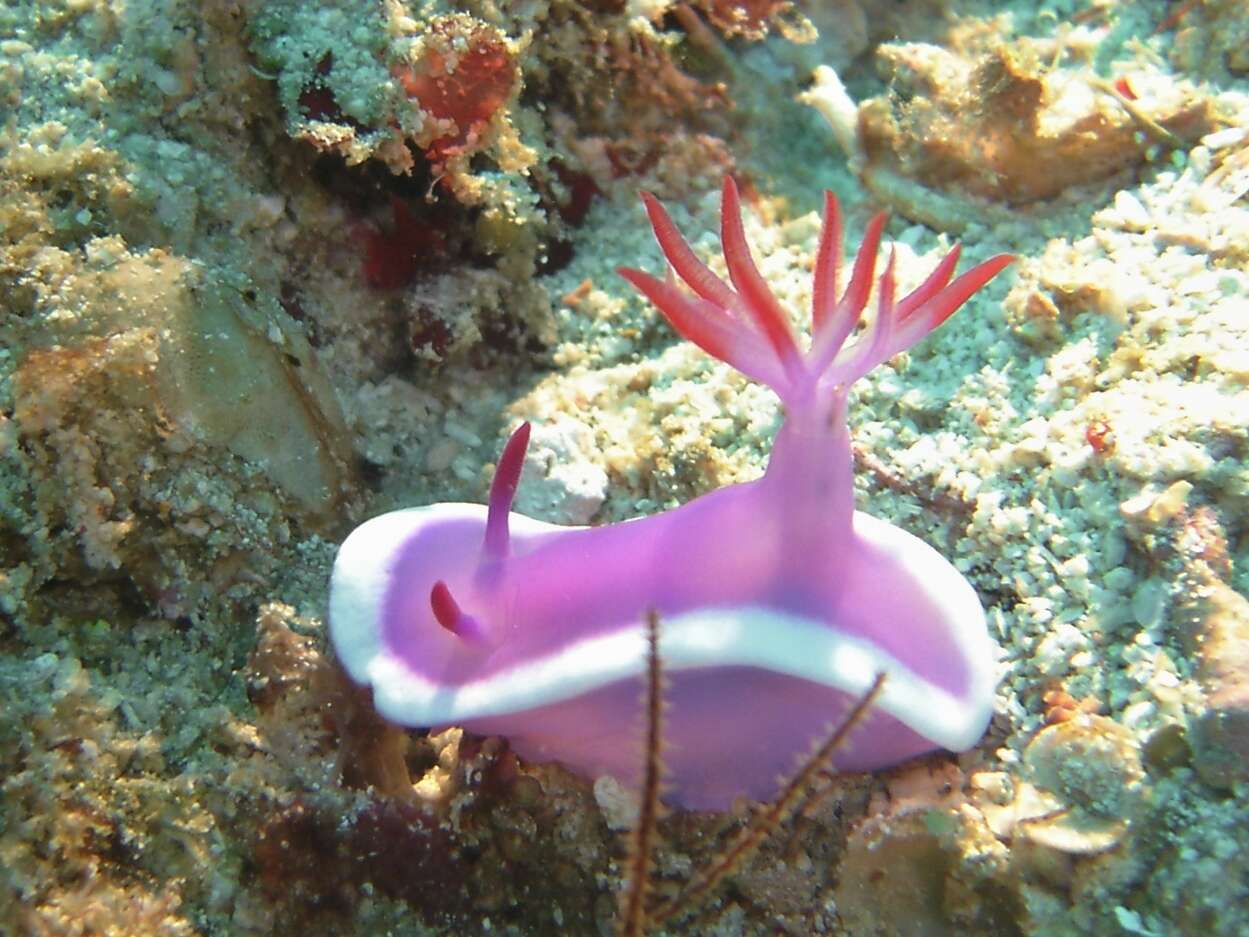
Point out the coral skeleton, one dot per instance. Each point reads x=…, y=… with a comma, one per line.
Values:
x=781, y=604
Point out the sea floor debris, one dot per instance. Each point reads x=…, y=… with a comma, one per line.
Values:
x=202, y=385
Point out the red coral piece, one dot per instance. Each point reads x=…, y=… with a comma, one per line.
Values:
x=464, y=87
x=581, y=192
x=742, y=17
x=393, y=257
x=1100, y=436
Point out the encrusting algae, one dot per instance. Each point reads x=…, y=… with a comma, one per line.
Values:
x=269, y=268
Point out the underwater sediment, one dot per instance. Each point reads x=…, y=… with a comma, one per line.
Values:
x=270, y=268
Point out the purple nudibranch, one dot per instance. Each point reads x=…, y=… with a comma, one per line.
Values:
x=779, y=602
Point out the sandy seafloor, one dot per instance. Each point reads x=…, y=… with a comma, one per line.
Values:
x=254, y=288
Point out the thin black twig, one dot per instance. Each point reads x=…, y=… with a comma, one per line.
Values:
x=796, y=794
x=634, y=920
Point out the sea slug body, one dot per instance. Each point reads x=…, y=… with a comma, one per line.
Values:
x=779, y=602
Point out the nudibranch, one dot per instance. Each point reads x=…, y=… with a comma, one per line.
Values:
x=779, y=602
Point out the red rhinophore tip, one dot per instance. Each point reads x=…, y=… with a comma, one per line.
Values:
x=452, y=618
x=445, y=609
x=503, y=490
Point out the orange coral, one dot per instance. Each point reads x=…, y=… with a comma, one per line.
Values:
x=463, y=76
